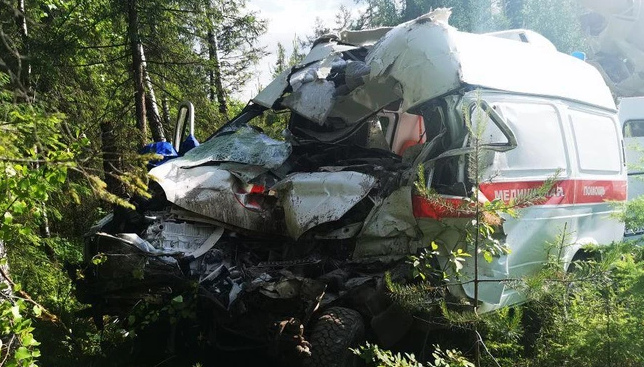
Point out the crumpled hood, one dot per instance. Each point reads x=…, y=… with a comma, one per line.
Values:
x=214, y=180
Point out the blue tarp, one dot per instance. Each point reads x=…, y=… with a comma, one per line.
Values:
x=166, y=150
x=162, y=148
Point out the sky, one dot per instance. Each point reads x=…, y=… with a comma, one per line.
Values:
x=286, y=19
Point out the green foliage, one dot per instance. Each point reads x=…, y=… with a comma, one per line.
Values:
x=557, y=20
x=375, y=356
x=18, y=347
x=592, y=316
x=470, y=16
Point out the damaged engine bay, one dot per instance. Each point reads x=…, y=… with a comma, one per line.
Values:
x=272, y=232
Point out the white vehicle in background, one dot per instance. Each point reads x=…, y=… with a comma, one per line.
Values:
x=631, y=117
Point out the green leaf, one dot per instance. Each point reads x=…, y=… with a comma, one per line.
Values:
x=29, y=341
x=487, y=256
x=178, y=299
x=22, y=353
x=19, y=207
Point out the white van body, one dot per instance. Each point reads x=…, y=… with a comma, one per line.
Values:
x=581, y=142
x=414, y=87
x=631, y=118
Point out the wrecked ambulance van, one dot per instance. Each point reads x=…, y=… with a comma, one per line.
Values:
x=289, y=239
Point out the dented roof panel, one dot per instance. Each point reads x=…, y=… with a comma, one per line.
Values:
x=419, y=55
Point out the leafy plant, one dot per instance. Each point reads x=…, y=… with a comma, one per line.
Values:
x=375, y=356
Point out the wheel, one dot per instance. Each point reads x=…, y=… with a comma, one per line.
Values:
x=337, y=330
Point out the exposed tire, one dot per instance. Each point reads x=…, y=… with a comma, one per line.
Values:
x=337, y=330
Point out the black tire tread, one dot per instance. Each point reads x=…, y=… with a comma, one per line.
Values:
x=337, y=330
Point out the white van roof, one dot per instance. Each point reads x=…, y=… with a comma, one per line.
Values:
x=524, y=68
x=430, y=59
x=426, y=58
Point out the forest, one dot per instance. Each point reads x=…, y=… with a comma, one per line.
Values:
x=85, y=84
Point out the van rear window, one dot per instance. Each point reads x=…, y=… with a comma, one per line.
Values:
x=634, y=129
x=598, y=146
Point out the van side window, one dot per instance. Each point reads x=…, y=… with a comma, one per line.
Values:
x=540, y=147
x=597, y=142
x=483, y=125
x=634, y=129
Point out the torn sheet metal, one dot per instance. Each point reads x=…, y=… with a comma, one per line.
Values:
x=312, y=100
x=366, y=99
x=134, y=240
x=273, y=91
x=245, y=145
x=365, y=37
x=216, y=194
x=419, y=55
x=182, y=237
x=311, y=199
x=312, y=93
x=269, y=95
x=390, y=228
x=346, y=232
x=323, y=50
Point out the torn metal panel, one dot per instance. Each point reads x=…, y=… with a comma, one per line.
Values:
x=217, y=194
x=322, y=50
x=313, y=91
x=311, y=199
x=273, y=91
x=364, y=38
x=144, y=246
x=346, y=232
x=244, y=172
x=128, y=255
x=191, y=239
x=269, y=95
x=312, y=100
x=419, y=55
x=366, y=99
x=390, y=228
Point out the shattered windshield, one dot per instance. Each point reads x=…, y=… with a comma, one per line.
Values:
x=246, y=145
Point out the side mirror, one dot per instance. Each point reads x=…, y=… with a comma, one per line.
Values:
x=185, y=118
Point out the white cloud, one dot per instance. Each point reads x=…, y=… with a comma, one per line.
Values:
x=286, y=20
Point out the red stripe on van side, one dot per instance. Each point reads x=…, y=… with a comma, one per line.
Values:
x=563, y=192
x=445, y=207
x=592, y=191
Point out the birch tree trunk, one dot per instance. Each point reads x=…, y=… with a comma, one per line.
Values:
x=154, y=118
x=137, y=70
x=216, y=85
x=23, y=59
